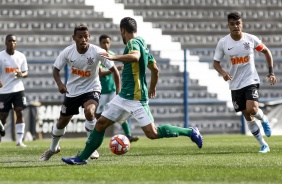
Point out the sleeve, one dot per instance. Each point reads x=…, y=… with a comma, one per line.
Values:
x=132, y=45
x=61, y=60
x=151, y=59
x=219, y=52
x=258, y=45
x=24, y=64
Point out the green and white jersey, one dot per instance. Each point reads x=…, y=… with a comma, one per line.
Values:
x=107, y=82
x=134, y=85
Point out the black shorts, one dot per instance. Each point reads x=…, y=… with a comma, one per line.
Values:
x=17, y=99
x=71, y=104
x=240, y=96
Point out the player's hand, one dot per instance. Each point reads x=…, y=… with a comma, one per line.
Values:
x=62, y=89
x=272, y=79
x=106, y=55
x=1, y=84
x=18, y=75
x=120, y=67
x=152, y=93
x=227, y=77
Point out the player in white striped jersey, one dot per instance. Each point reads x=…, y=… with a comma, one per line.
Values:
x=83, y=87
x=238, y=47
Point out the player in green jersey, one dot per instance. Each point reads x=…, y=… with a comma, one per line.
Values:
x=108, y=87
x=132, y=101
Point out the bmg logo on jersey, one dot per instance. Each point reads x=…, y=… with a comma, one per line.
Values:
x=239, y=60
x=81, y=73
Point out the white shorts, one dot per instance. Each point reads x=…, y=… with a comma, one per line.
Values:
x=104, y=99
x=120, y=109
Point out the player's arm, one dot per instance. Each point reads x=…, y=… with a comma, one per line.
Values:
x=133, y=56
x=105, y=73
x=23, y=74
x=154, y=78
x=269, y=61
x=116, y=76
x=219, y=69
x=61, y=86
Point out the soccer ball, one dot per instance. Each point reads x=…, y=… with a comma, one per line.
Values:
x=119, y=144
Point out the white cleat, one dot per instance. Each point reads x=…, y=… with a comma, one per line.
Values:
x=48, y=153
x=20, y=144
x=95, y=155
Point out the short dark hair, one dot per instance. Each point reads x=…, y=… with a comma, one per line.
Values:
x=104, y=37
x=233, y=15
x=81, y=27
x=129, y=24
x=9, y=35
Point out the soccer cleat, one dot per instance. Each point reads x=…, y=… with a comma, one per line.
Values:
x=264, y=149
x=74, y=161
x=94, y=155
x=196, y=137
x=20, y=144
x=266, y=128
x=48, y=153
x=132, y=138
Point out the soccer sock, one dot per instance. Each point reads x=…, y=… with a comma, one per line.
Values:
x=94, y=141
x=89, y=126
x=173, y=131
x=56, y=136
x=260, y=116
x=20, y=132
x=126, y=129
x=254, y=128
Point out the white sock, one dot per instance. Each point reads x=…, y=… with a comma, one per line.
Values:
x=56, y=136
x=254, y=128
x=20, y=132
x=260, y=116
x=89, y=126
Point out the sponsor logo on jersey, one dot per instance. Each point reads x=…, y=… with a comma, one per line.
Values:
x=90, y=61
x=229, y=48
x=81, y=73
x=246, y=45
x=239, y=60
x=11, y=70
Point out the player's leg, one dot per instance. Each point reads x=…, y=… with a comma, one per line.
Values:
x=19, y=102
x=142, y=114
x=255, y=130
x=90, y=122
x=252, y=106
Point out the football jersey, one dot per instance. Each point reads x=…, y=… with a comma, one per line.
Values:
x=107, y=82
x=240, y=54
x=134, y=85
x=83, y=69
x=9, y=65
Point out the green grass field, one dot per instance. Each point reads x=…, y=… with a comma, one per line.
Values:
x=223, y=159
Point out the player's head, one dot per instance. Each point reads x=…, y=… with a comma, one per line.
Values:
x=127, y=25
x=105, y=42
x=10, y=42
x=235, y=23
x=81, y=36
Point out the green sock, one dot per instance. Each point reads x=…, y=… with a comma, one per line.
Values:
x=126, y=129
x=93, y=142
x=173, y=131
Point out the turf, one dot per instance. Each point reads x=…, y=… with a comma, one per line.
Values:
x=223, y=159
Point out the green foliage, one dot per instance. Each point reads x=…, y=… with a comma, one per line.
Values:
x=223, y=159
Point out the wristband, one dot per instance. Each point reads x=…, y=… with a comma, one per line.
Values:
x=270, y=70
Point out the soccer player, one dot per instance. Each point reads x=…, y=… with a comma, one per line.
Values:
x=83, y=86
x=238, y=48
x=133, y=98
x=109, y=88
x=13, y=67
